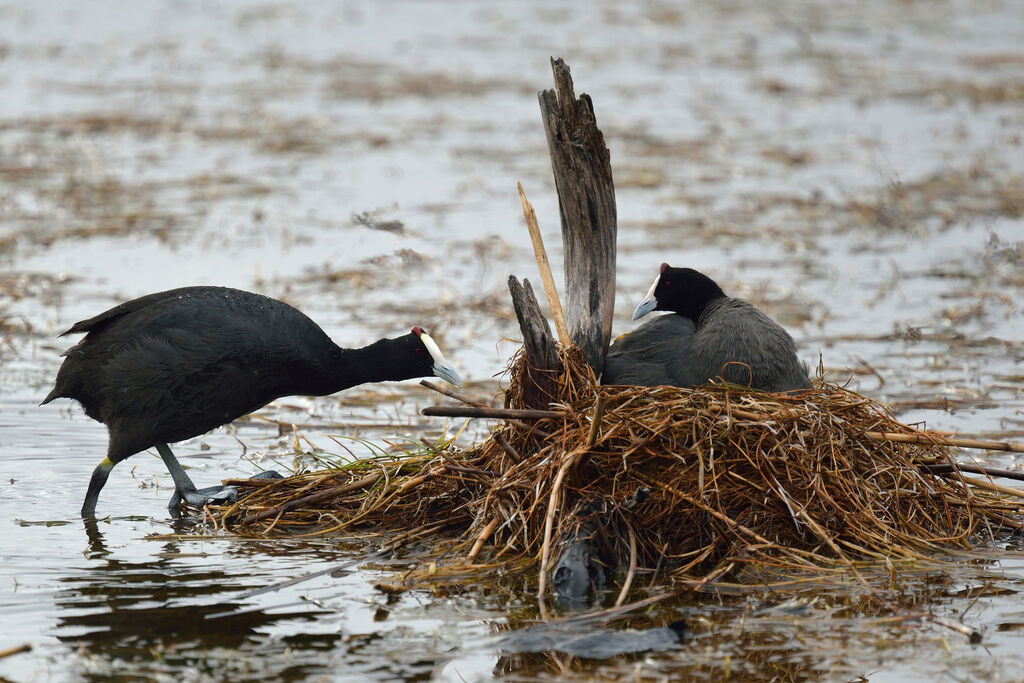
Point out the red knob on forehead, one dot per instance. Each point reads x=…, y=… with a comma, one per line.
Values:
x=418, y=331
x=664, y=267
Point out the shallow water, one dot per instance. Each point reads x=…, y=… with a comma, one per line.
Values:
x=854, y=168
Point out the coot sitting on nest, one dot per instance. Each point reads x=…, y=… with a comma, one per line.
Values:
x=711, y=335
x=169, y=366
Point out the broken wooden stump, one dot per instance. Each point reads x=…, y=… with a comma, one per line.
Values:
x=581, y=165
x=538, y=387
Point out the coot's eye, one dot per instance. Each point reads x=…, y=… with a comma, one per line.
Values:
x=418, y=350
x=665, y=283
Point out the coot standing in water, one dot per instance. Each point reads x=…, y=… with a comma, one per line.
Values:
x=173, y=365
x=711, y=335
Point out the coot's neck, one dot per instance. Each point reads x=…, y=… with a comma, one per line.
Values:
x=382, y=361
x=695, y=297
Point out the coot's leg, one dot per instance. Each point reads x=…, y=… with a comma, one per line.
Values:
x=99, y=478
x=184, y=489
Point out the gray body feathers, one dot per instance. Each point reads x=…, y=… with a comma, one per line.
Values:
x=733, y=340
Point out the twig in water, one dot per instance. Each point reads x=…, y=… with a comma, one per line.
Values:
x=973, y=634
x=305, y=577
x=451, y=394
x=15, y=650
x=473, y=411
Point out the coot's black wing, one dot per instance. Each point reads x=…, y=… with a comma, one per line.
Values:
x=740, y=343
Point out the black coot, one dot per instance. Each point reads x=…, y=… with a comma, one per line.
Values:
x=173, y=365
x=711, y=335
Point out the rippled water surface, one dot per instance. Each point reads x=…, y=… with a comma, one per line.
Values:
x=855, y=168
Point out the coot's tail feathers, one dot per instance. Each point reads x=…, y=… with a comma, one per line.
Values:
x=83, y=326
x=56, y=392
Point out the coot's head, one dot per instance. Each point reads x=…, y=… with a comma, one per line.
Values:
x=428, y=355
x=682, y=290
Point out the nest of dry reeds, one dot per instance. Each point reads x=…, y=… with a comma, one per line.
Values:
x=699, y=481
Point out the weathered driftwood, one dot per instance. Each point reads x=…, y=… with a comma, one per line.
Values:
x=586, y=199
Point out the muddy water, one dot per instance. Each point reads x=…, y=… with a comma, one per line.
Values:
x=855, y=168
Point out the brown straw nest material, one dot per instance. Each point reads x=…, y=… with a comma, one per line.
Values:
x=695, y=480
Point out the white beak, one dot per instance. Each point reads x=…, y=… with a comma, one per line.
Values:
x=442, y=368
x=649, y=303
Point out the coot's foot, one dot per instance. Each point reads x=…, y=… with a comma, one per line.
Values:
x=214, y=495
x=211, y=495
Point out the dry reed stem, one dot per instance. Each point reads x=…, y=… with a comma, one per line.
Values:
x=820, y=533
x=15, y=650
x=544, y=267
x=927, y=438
x=1017, y=493
x=459, y=397
x=484, y=535
x=595, y=424
x=507, y=447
